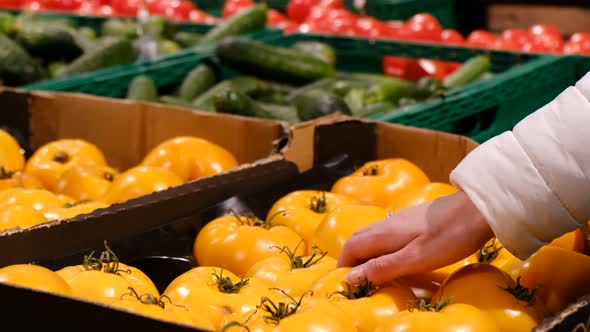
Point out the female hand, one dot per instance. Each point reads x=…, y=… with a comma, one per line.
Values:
x=418, y=239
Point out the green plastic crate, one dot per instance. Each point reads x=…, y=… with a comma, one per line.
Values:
x=523, y=83
x=480, y=110
x=443, y=10
x=95, y=23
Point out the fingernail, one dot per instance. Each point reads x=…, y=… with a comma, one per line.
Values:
x=355, y=276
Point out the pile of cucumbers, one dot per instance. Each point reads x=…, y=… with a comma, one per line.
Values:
x=34, y=47
x=296, y=83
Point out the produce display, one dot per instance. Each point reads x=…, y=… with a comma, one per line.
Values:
x=36, y=48
x=279, y=273
x=69, y=177
x=298, y=83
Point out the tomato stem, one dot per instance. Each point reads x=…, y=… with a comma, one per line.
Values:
x=282, y=310
x=252, y=220
x=297, y=261
x=319, y=204
x=523, y=293
x=108, y=261
x=108, y=176
x=234, y=324
x=5, y=174
x=358, y=291
x=61, y=157
x=371, y=171
x=422, y=305
x=226, y=285
x=489, y=252
x=150, y=299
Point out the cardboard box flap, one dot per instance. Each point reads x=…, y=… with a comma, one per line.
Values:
x=435, y=152
x=575, y=318
x=125, y=140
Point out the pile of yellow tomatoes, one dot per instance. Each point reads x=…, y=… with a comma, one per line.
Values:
x=279, y=273
x=69, y=177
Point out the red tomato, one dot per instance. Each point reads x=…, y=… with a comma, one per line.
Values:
x=233, y=6
x=331, y=4
x=451, y=36
x=199, y=16
x=125, y=7
x=370, y=27
x=579, y=43
x=11, y=3
x=31, y=6
x=62, y=5
x=506, y=44
x=174, y=9
x=481, y=38
x=544, y=30
x=545, y=44
x=424, y=27
x=298, y=10
x=518, y=36
x=274, y=18
x=396, y=66
x=433, y=68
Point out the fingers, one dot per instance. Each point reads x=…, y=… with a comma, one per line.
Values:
x=374, y=240
x=384, y=269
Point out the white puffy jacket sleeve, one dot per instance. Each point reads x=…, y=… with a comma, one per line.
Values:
x=532, y=184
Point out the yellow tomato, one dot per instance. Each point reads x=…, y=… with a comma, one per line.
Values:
x=65, y=200
x=380, y=182
x=303, y=314
x=190, y=157
x=339, y=225
x=573, y=241
x=38, y=199
x=561, y=273
x=291, y=273
x=12, y=156
x=18, y=180
x=486, y=287
x=86, y=182
x=161, y=309
x=420, y=195
x=35, y=277
x=71, y=211
x=131, y=277
x=303, y=210
x=139, y=181
x=451, y=318
x=221, y=292
x=236, y=243
x=366, y=304
x=51, y=160
x=19, y=216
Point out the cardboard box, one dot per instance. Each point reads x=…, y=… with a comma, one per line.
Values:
x=319, y=151
x=125, y=131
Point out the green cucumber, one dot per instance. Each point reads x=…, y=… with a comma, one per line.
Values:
x=320, y=50
x=175, y=101
x=119, y=27
x=206, y=101
x=142, y=88
x=316, y=103
x=270, y=62
x=469, y=71
x=248, y=20
x=371, y=109
x=167, y=47
x=17, y=67
x=8, y=24
x=187, y=39
x=196, y=82
x=234, y=102
x=49, y=40
x=110, y=51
